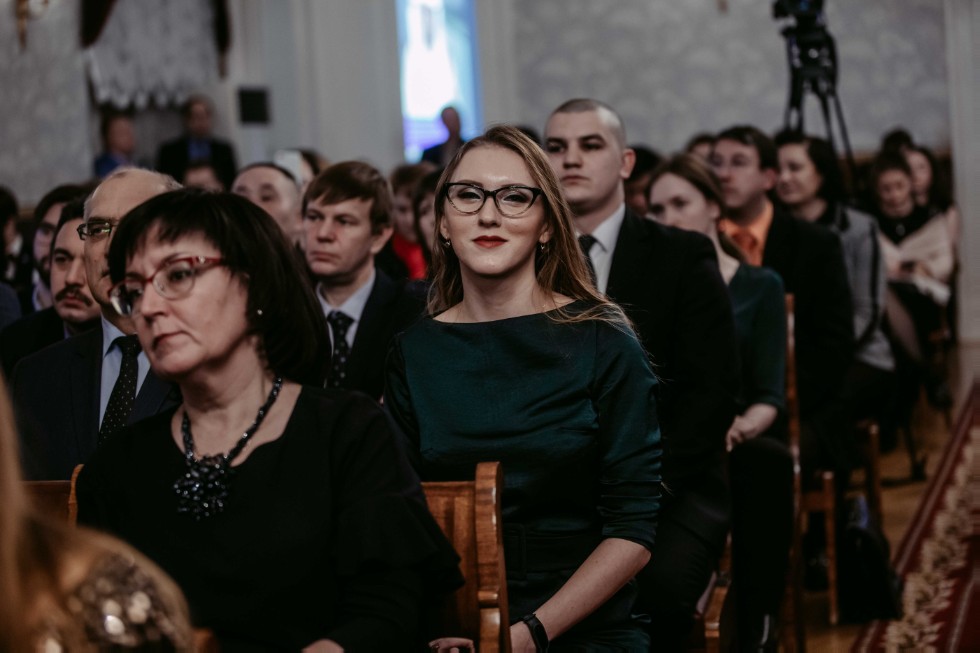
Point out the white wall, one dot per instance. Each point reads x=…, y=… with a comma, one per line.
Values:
x=331, y=69
x=675, y=67
x=963, y=52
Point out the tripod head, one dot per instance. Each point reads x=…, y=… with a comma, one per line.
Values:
x=812, y=55
x=811, y=50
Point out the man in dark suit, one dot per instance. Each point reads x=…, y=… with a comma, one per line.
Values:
x=74, y=309
x=73, y=394
x=347, y=220
x=668, y=282
x=440, y=155
x=197, y=145
x=810, y=260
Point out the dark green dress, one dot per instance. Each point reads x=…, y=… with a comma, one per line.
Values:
x=759, y=305
x=569, y=411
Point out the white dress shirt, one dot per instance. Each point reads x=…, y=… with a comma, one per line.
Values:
x=605, y=243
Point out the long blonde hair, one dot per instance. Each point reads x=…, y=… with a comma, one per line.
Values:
x=559, y=267
x=40, y=560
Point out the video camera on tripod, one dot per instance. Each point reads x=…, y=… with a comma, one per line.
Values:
x=812, y=55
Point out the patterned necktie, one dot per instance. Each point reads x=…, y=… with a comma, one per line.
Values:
x=124, y=391
x=339, y=324
x=586, y=241
x=749, y=245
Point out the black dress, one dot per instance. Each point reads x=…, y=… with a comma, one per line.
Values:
x=569, y=410
x=325, y=534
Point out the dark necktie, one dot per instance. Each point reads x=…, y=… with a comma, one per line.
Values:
x=586, y=241
x=124, y=391
x=339, y=324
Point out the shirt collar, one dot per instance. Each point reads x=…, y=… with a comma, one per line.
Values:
x=758, y=226
x=354, y=306
x=608, y=230
x=109, y=334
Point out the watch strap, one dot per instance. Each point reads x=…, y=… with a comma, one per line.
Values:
x=538, y=634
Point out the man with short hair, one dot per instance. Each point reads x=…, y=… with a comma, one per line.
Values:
x=118, y=143
x=347, y=221
x=46, y=215
x=198, y=145
x=74, y=309
x=103, y=373
x=809, y=258
x=276, y=191
x=668, y=282
x=440, y=155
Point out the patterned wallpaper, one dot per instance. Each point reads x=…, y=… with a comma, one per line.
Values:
x=675, y=67
x=44, y=138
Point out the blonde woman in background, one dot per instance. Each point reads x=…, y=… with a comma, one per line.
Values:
x=65, y=589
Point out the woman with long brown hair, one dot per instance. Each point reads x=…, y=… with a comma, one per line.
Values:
x=74, y=590
x=523, y=362
x=685, y=193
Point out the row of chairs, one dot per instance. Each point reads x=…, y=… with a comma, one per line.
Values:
x=468, y=513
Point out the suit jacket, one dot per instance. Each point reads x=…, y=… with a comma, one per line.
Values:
x=28, y=335
x=667, y=281
x=391, y=308
x=56, y=395
x=435, y=153
x=172, y=159
x=810, y=259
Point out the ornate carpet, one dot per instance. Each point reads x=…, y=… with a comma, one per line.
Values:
x=939, y=558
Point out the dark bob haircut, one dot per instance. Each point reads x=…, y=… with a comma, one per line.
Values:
x=282, y=309
x=823, y=158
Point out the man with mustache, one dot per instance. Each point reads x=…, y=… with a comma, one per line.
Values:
x=74, y=309
x=102, y=376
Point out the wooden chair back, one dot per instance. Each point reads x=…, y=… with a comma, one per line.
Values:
x=55, y=499
x=469, y=514
x=793, y=636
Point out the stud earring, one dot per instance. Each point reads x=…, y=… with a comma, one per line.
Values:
x=541, y=246
x=447, y=243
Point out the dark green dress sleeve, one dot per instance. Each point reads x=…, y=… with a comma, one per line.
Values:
x=629, y=437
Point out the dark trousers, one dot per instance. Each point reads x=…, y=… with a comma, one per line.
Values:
x=761, y=473
x=681, y=564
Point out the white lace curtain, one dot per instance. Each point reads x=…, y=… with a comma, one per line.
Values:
x=153, y=51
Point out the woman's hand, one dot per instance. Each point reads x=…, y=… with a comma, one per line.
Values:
x=520, y=639
x=451, y=645
x=756, y=419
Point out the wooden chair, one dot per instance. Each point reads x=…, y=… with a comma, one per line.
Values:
x=820, y=500
x=205, y=640
x=55, y=499
x=469, y=514
x=715, y=618
x=869, y=453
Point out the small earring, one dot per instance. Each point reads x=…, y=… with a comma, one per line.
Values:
x=447, y=243
x=541, y=246
x=258, y=312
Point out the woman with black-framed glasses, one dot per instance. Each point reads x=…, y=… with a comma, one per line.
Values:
x=287, y=514
x=522, y=361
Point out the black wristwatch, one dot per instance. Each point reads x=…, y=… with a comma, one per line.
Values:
x=538, y=634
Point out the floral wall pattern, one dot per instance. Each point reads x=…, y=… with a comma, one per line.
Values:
x=675, y=67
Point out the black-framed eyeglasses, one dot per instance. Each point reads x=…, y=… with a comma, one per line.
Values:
x=511, y=201
x=95, y=229
x=174, y=279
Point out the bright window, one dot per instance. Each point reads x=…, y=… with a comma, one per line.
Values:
x=439, y=68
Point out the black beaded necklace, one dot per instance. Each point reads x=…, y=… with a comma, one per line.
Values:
x=203, y=489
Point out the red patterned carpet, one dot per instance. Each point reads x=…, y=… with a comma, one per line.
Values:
x=939, y=558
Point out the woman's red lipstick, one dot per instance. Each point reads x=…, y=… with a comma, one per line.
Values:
x=489, y=241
